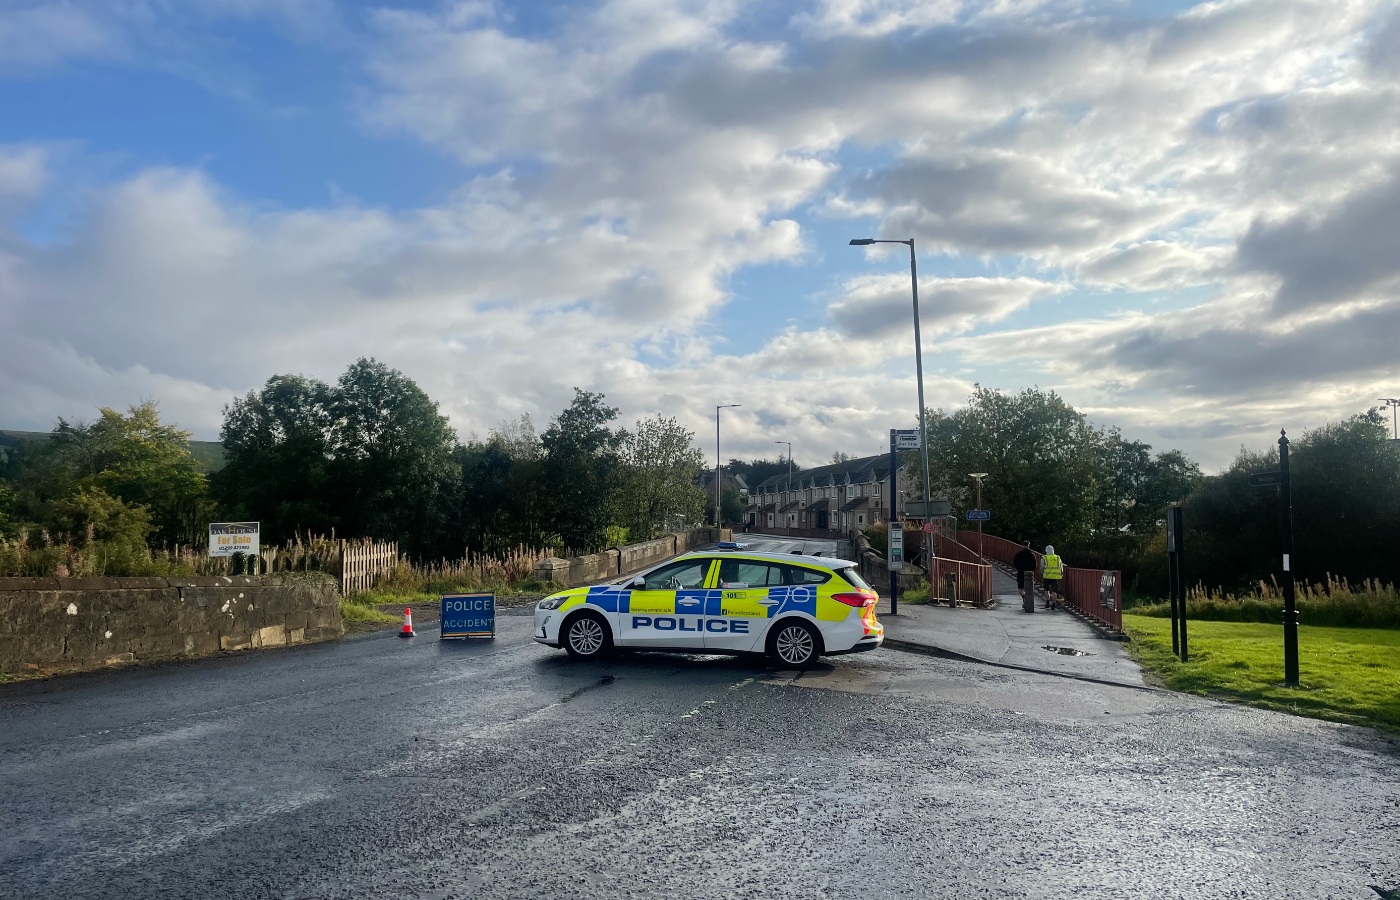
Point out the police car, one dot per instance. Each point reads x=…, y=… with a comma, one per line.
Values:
x=795, y=609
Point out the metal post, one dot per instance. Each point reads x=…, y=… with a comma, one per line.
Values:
x=1173, y=580
x=894, y=482
x=718, y=520
x=1178, y=516
x=919, y=370
x=1290, y=610
x=979, y=521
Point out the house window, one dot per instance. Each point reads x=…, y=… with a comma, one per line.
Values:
x=860, y=518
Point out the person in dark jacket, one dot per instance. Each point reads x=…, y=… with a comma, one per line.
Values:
x=1024, y=562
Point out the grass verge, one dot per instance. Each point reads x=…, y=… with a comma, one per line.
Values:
x=1348, y=674
x=359, y=609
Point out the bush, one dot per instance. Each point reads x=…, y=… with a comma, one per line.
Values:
x=1334, y=604
x=879, y=537
x=917, y=594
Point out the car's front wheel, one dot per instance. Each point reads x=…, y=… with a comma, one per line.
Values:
x=586, y=636
x=795, y=644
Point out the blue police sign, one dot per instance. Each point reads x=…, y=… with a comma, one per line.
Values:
x=468, y=615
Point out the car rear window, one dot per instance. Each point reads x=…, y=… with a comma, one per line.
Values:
x=850, y=574
x=796, y=575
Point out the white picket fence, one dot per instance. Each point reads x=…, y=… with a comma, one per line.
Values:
x=363, y=564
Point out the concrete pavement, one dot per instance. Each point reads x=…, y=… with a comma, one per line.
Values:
x=1055, y=642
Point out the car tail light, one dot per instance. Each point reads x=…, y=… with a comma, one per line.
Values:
x=857, y=599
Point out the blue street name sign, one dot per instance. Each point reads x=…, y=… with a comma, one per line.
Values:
x=979, y=515
x=468, y=615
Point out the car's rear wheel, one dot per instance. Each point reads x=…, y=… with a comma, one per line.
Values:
x=795, y=644
x=586, y=636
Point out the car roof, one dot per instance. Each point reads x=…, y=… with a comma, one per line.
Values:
x=819, y=562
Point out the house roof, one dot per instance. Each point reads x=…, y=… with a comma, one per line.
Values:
x=852, y=504
x=819, y=504
x=867, y=468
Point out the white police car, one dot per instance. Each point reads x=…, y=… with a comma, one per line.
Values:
x=795, y=609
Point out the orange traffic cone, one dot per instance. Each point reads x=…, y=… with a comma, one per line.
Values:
x=407, y=630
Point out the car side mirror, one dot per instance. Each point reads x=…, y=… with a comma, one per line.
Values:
x=637, y=583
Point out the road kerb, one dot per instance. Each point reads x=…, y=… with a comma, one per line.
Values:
x=945, y=653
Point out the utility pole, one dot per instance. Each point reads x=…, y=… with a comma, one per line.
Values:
x=1290, y=610
x=719, y=467
x=789, y=479
x=978, y=476
x=1394, y=404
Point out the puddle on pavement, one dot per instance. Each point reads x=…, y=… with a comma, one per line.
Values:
x=1068, y=651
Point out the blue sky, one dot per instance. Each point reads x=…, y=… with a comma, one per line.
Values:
x=1121, y=201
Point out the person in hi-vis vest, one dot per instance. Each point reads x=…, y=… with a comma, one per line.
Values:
x=1051, y=571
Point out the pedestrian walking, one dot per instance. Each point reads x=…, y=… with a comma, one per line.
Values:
x=1052, y=570
x=1024, y=563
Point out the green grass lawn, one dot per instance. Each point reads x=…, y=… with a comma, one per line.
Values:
x=1347, y=674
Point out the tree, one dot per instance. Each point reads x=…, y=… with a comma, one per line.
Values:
x=278, y=457
x=503, y=502
x=656, y=483
x=731, y=506
x=580, y=468
x=370, y=456
x=756, y=471
x=1043, y=459
x=134, y=459
x=393, y=460
x=840, y=456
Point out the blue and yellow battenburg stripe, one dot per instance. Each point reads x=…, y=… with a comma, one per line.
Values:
x=800, y=598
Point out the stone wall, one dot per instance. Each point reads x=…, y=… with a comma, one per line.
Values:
x=69, y=624
x=619, y=561
x=875, y=570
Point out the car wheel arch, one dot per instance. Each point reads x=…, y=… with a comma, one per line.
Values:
x=609, y=639
x=771, y=639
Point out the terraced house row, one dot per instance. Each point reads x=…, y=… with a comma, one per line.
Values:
x=834, y=498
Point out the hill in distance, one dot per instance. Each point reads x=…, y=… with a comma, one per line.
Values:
x=209, y=454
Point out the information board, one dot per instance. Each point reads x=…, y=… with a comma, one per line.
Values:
x=468, y=616
x=896, y=547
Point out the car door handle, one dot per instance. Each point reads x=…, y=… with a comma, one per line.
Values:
x=769, y=602
x=691, y=601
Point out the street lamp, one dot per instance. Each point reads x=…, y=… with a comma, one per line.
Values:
x=1394, y=405
x=719, y=521
x=789, y=481
x=918, y=358
x=978, y=476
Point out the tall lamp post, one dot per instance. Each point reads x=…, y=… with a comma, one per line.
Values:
x=978, y=476
x=789, y=481
x=719, y=467
x=1394, y=404
x=918, y=353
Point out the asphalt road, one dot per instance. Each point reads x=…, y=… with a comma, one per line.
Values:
x=378, y=767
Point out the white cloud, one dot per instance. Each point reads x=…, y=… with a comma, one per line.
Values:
x=36, y=35
x=630, y=161
x=880, y=305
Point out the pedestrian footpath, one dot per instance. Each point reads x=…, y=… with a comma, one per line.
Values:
x=1055, y=642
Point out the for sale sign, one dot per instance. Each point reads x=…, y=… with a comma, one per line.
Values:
x=228, y=538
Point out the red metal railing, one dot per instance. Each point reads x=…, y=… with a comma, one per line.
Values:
x=1095, y=593
x=951, y=549
x=970, y=582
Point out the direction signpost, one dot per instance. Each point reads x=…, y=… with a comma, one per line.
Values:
x=1280, y=479
x=1176, y=580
